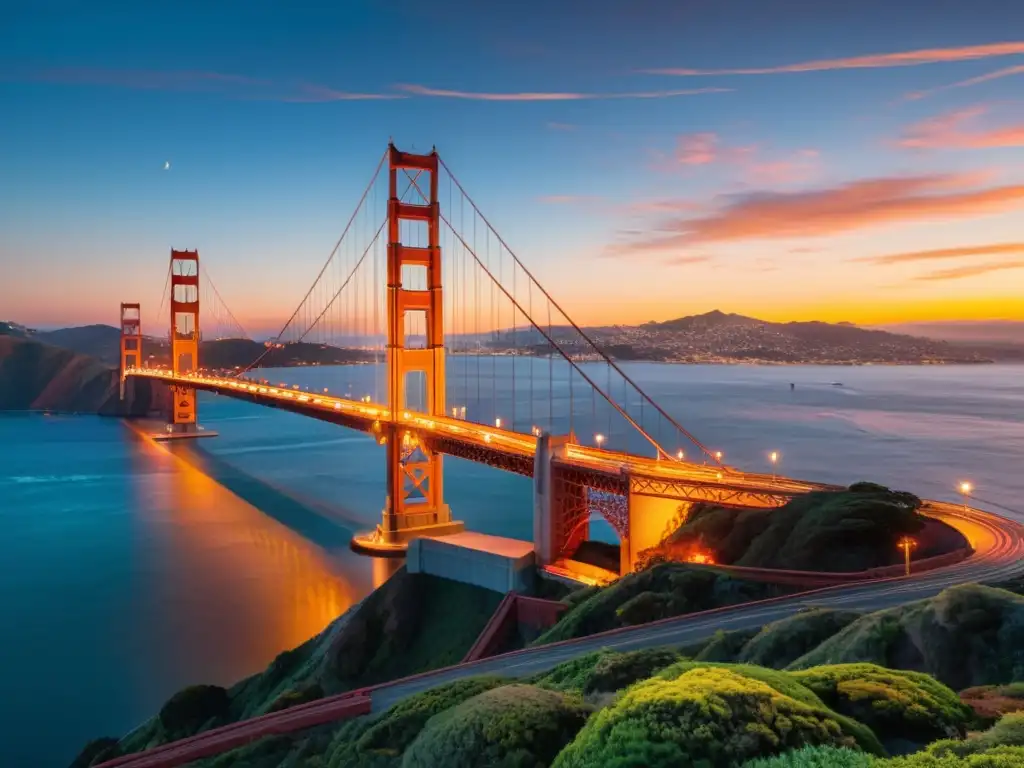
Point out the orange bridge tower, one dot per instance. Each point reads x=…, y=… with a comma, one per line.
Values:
x=184, y=337
x=416, y=371
x=131, y=340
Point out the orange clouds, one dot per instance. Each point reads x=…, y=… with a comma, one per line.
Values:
x=972, y=270
x=949, y=132
x=870, y=61
x=945, y=253
x=847, y=207
x=697, y=148
x=707, y=148
x=422, y=90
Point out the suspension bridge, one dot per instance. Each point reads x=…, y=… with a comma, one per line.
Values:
x=454, y=349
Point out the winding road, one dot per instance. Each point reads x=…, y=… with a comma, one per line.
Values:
x=999, y=555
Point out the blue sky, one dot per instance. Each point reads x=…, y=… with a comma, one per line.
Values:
x=853, y=188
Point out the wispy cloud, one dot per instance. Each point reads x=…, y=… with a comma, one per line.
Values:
x=708, y=148
x=999, y=73
x=971, y=270
x=193, y=81
x=870, y=61
x=422, y=90
x=697, y=148
x=987, y=249
x=830, y=211
x=680, y=261
x=952, y=131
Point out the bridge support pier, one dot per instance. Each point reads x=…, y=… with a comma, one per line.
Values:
x=651, y=520
x=416, y=372
x=561, y=514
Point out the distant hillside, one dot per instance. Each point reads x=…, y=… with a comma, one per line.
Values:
x=720, y=337
x=102, y=342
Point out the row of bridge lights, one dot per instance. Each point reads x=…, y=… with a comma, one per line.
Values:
x=459, y=412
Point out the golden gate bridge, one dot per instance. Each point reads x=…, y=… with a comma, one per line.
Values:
x=471, y=357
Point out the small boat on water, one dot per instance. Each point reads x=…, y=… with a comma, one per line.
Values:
x=837, y=383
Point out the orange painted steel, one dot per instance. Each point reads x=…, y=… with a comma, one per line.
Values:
x=415, y=496
x=184, y=303
x=131, y=339
x=514, y=610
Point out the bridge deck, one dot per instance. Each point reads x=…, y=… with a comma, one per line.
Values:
x=514, y=451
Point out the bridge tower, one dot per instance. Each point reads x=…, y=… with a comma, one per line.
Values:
x=415, y=501
x=184, y=302
x=131, y=340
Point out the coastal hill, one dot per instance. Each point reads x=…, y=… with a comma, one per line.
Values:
x=718, y=337
x=41, y=377
x=712, y=337
x=102, y=343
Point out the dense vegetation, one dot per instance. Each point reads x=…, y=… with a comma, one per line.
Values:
x=966, y=636
x=650, y=707
x=849, y=530
x=706, y=714
x=670, y=589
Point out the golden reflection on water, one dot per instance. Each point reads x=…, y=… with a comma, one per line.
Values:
x=240, y=587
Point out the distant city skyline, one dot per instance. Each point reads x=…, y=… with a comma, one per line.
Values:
x=646, y=162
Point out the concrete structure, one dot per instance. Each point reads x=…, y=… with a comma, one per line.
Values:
x=492, y=562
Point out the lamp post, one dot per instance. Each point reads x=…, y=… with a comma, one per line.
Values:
x=773, y=457
x=906, y=544
x=497, y=422
x=680, y=455
x=599, y=439
x=965, y=490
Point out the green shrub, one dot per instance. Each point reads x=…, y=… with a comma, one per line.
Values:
x=782, y=642
x=782, y=682
x=396, y=728
x=968, y=635
x=97, y=751
x=515, y=726
x=293, y=698
x=894, y=704
x=706, y=716
x=1007, y=732
x=663, y=591
x=607, y=671
x=815, y=757
x=193, y=707
x=997, y=757
x=725, y=646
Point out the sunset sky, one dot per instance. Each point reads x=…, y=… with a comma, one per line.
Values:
x=784, y=159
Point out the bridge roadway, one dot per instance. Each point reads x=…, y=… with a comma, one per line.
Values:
x=999, y=554
x=512, y=451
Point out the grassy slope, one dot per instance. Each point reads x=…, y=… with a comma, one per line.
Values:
x=665, y=590
x=846, y=705
x=413, y=623
x=849, y=530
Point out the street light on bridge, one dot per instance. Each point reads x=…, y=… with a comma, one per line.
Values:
x=907, y=544
x=965, y=490
x=497, y=422
x=599, y=439
x=773, y=457
x=680, y=455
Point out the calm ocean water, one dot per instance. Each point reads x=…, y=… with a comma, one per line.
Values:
x=131, y=570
